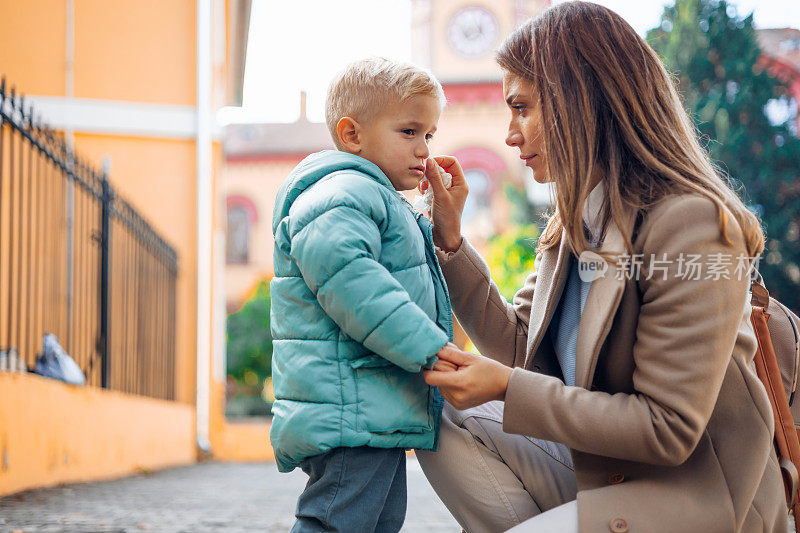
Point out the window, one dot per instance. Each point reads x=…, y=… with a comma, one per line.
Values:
x=238, y=235
x=790, y=45
x=484, y=172
x=480, y=189
x=241, y=217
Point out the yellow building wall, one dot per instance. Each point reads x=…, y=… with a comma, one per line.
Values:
x=139, y=52
x=32, y=45
x=53, y=433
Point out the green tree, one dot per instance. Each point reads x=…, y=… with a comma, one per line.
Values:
x=511, y=256
x=512, y=253
x=249, y=341
x=714, y=54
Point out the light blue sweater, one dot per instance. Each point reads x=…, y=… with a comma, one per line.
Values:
x=567, y=319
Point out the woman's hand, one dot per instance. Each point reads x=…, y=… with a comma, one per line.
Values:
x=477, y=380
x=448, y=204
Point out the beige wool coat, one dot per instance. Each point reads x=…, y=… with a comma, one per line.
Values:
x=670, y=428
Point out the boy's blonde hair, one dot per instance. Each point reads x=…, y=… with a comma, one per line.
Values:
x=367, y=86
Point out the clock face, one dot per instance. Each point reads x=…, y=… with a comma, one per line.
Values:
x=472, y=30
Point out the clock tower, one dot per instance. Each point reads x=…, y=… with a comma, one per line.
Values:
x=457, y=39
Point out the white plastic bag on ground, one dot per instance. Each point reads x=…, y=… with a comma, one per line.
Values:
x=54, y=363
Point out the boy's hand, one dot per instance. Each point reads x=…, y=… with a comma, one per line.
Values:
x=448, y=204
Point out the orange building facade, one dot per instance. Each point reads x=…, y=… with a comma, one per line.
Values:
x=135, y=86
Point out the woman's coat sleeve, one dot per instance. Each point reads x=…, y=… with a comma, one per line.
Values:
x=498, y=329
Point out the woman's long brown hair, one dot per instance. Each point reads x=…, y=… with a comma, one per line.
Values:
x=611, y=111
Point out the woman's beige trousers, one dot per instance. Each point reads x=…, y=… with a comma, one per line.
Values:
x=492, y=481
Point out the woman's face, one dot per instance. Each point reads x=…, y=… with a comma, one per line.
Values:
x=525, y=131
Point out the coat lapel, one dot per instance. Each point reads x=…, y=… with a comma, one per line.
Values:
x=601, y=305
x=550, y=279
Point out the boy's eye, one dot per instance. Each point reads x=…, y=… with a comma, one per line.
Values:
x=429, y=136
x=408, y=131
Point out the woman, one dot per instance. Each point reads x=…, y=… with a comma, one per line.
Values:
x=633, y=403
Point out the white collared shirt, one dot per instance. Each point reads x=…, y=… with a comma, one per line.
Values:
x=592, y=215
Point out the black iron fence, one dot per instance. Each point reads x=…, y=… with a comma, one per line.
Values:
x=77, y=261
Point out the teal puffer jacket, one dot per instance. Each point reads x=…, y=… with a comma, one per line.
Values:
x=359, y=307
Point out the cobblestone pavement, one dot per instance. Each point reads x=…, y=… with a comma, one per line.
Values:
x=209, y=497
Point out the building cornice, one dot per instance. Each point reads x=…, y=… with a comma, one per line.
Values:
x=112, y=117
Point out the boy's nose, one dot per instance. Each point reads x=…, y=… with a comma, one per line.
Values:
x=422, y=150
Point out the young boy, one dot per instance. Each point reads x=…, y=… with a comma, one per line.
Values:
x=359, y=304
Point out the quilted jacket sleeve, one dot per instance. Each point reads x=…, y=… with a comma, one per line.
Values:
x=336, y=245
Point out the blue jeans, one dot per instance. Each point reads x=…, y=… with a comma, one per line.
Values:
x=353, y=490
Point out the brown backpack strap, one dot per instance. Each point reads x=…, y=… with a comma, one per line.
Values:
x=759, y=293
x=786, y=440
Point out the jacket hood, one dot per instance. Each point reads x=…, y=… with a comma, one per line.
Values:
x=315, y=167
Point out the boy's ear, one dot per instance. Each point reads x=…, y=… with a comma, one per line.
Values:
x=347, y=129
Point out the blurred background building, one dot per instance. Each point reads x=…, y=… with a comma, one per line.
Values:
x=456, y=39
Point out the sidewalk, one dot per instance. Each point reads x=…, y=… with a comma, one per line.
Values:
x=211, y=497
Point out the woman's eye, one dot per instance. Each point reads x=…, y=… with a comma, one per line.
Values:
x=518, y=107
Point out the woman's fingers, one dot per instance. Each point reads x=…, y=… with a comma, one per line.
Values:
x=434, y=178
x=444, y=366
x=477, y=381
x=437, y=378
x=452, y=354
x=450, y=165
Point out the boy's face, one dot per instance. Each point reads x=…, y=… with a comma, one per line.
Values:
x=397, y=139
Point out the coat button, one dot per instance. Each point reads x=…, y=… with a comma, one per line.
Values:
x=618, y=525
x=615, y=479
